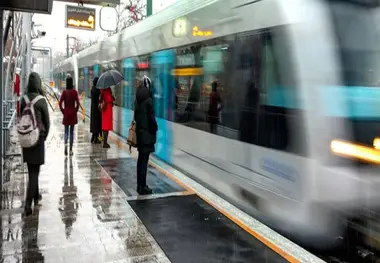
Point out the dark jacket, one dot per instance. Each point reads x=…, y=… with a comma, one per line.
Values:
x=96, y=116
x=36, y=154
x=146, y=125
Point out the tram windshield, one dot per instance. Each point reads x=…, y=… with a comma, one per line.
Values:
x=357, y=33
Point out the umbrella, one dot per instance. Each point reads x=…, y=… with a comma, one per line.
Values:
x=109, y=78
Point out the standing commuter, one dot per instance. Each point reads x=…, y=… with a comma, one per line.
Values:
x=34, y=156
x=96, y=116
x=146, y=130
x=106, y=102
x=70, y=101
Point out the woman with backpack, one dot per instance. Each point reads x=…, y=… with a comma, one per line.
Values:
x=34, y=109
x=70, y=100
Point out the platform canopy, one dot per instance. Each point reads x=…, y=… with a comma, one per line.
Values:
x=93, y=2
x=31, y=6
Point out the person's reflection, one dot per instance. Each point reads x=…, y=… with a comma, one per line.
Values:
x=249, y=114
x=31, y=251
x=214, y=108
x=68, y=203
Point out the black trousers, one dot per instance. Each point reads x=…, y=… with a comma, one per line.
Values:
x=33, y=191
x=142, y=168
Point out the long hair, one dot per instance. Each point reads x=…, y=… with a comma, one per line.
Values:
x=69, y=82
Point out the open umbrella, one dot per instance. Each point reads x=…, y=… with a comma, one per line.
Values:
x=109, y=78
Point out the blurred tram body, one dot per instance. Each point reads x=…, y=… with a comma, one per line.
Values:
x=299, y=81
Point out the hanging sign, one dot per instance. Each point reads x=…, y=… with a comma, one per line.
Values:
x=79, y=17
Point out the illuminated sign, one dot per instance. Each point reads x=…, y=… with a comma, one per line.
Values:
x=142, y=65
x=376, y=143
x=200, y=33
x=187, y=72
x=180, y=27
x=80, y=17
x=52, y=84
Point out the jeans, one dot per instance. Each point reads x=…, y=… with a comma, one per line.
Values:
x=33, y=191
x=142, y=168
x=71, y=128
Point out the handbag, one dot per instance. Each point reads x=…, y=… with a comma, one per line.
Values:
x=132, y=140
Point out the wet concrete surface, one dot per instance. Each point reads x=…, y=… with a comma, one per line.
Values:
x=123, y=173
x=190, y=230
x=83, y=217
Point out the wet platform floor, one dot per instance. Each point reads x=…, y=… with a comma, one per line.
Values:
x=89, y=207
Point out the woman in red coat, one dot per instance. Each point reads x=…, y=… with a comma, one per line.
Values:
x=70, y=107
x=107, y=115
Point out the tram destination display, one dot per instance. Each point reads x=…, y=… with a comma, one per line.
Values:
x=79, y=17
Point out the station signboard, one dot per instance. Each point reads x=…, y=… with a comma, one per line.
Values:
x=79, y=17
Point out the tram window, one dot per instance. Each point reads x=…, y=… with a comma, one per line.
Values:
x=81, y=81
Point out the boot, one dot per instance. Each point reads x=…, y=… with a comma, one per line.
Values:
x=37, y=199
x=144, y=190
x=28, y=209
x=105, y=143
x=65, y=149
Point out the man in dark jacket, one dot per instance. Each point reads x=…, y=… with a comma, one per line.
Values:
x=96, y=115
x=35, y=156
x=146, y=129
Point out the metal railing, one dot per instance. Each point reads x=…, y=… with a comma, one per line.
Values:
x=8, y=112
x=10, y=118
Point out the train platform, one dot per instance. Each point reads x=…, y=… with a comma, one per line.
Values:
x=90, y=212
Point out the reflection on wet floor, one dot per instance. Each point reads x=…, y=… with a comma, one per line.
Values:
x=83, y=217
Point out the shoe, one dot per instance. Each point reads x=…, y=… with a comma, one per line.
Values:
x=37, y=200
x=71, y=152
x=27, y=212
x=106, y=146
x=92, y=139
x=65, y=151
x=144, y=190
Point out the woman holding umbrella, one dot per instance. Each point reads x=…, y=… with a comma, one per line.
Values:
x=106, y=80
x=107, y=100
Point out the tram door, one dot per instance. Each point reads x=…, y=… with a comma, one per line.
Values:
x=162, y=64
x=129, y=84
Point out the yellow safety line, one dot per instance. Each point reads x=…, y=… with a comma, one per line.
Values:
x=258, y=236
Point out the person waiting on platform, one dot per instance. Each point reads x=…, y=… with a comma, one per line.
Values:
x=70, y=100
x=106, y=105
x=35, y=156
x=146, y=130
x=96, y=116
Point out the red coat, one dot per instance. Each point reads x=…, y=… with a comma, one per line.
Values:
x=17, y=85
x=70, y=100
x=107, y=114
x=17, y=92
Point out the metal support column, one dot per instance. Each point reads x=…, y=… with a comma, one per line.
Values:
x=28, y=28
x=1, y=97
x=67, y=46
x=149, y=7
